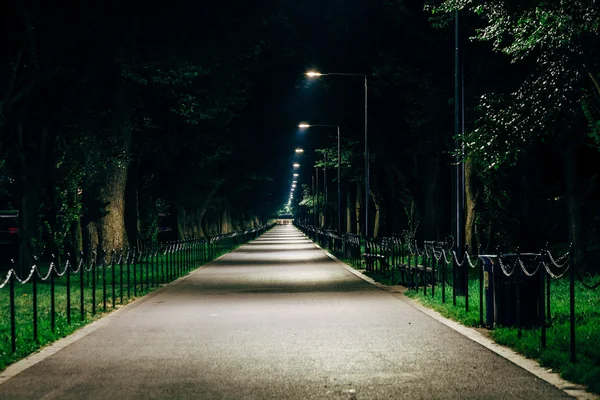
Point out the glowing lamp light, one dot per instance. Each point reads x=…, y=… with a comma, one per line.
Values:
x=299, y=151
x=313, y=74
x=296, y=165
x=303, y=125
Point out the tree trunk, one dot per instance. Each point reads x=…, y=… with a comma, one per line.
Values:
x=376, y=222
x=91, y=240
x=76, y=239
x=111, y=228
x=413, y=216
x=189, y=223
x=350, y=213
x=357, y=207
x=112, y=182
x=226, y=224
x=74, y=243
x=471, y=198
x=132, y=206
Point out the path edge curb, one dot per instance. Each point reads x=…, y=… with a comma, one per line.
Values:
x=52, y=348
x=572, y=389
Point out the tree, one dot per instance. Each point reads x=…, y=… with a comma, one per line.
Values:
x=557, y=101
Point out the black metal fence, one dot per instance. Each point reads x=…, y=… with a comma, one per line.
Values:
x=101, y=280
x=514, y=286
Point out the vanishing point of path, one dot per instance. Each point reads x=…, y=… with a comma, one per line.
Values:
x=274, y=319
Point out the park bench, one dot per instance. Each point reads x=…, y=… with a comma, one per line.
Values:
x=413, y=274
x=425, y=274
x=377, y=254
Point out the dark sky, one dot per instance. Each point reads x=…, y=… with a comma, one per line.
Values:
x=327, y=36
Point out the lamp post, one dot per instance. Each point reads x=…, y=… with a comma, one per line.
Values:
x=339, y=166
x=315, y=74
x=317, y=175
x=459, y=176
x=325, y=190
x=314, y=202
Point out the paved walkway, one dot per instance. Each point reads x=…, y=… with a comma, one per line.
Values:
x=275, y=319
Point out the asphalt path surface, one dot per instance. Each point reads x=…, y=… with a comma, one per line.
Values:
x=275, y=319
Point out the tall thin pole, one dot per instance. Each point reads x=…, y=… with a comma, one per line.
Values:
x=339, y=180
x=458, y=170
x=456, y=128
x=325, y=190
x=366, y=168
x=317, y=173
x=314, y=202
x=463, y=191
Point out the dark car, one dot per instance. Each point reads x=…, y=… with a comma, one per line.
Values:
x=9, y=237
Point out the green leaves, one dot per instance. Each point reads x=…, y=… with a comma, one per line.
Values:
x=556, y=41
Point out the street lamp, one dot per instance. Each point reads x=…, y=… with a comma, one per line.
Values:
x=316, y=74
x=299, y=151
x=339, y=166
x=296, y=165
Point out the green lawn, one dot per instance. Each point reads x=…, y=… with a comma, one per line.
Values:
x=557, y=353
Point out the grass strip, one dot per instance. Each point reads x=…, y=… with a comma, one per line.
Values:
x=25, y=342
x=556, y=355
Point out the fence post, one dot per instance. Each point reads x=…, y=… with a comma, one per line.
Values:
x=134, y=258
x=35, y=303
x=52, y=297
x=103, y=253
x=572, y=301
x=519, y=278
x=121, y=275
x=453, y=255
x=130, y=252
x=542, y=299
x=148, y=252
x=162, y=264
x=13, y=331
x=81, y=287
x=480, y=288
x=465, y=263
x=444, y=265
x=169, y=257
x=180, y=257
x=433, y=267
x=150, y=261
x=113, y=265
x=172, y=261
x=424, y=260
x=68, y=276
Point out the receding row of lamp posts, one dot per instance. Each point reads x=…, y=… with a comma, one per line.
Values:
x=315, y=74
